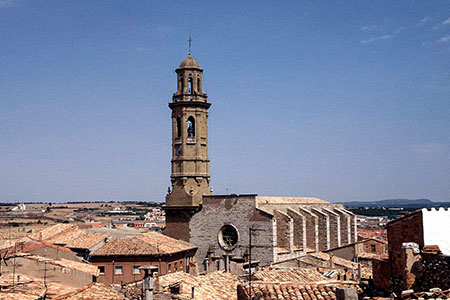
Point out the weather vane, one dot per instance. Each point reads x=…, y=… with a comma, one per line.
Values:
x=190, y=42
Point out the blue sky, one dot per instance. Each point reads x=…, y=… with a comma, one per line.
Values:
x=342, y=100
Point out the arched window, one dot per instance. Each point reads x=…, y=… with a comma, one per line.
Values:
x=190, y=90
x=178, y=127
x=199, y=86
x=191, y=128
x=182, y=84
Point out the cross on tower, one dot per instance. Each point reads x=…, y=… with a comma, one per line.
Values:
x=190, y=42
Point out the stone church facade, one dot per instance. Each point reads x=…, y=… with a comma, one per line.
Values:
x=221, y=226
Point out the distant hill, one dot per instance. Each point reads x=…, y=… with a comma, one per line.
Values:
x=405, y=203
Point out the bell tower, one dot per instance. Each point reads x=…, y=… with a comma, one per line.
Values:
x=190, y=162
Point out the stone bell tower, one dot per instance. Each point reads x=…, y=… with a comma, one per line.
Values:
x=190, y=163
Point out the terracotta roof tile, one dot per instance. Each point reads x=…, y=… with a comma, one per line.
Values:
x=42, y=245
x=216, y=285
x=289, y=275
x=294, y=291
x=336, y=260
x=87, y=241
x=29, y=288
x=92, y=291
x=67, y=236
x=51, y=231
x=151, y=243
x=65, y=263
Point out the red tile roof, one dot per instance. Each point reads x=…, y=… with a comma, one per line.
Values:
x=151, y=243
x=92, y=291
x=29, y=288
x=87, y=241
x=213, y=286
x=289, y=275
x=293, y=291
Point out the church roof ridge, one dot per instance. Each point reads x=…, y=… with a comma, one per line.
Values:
x=289, y=200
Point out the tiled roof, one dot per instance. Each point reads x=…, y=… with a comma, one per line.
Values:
x=294, y=291
x=432, y=294
x=166, y=243
x=42, y=245
x=92, y=291
x=336, y=260
x=289, y=275
x=213, y=286
x=65, y=263
x=125, y=246
x=279, y=200
x=51, y=231
x=87, y=241
x=67, y=236
x=29, y=288
x=151, y=243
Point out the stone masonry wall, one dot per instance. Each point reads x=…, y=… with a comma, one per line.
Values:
x=324, y=230
x=312, y=232
x=335, y=228
x=284, y=231
x=345, y=223
x=239, y=211
x=299, y=230
x=436, y=273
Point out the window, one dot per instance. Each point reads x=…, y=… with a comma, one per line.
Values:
x=373, y=248
x=176, y=266
x=118, y=270
x=136, y=270
x=101, y=270
x=228, y=237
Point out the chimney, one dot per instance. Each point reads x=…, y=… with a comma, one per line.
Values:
x=148, y=282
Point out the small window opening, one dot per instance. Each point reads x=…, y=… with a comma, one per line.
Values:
x=101, y=270
x=191, y=127
x=178, y=127
x=373, y=248
x=118, y=270
x=198, y=84
x=190, y=90
x=136, y=270
x=182, y=84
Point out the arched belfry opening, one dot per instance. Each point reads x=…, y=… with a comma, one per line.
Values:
x=191, y=128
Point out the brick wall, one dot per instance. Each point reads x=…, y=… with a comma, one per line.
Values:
x=382, y=274
x=405, y=229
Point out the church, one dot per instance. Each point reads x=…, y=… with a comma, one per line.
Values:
x=223, y=227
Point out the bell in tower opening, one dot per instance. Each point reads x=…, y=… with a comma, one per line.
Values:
x=190, y=162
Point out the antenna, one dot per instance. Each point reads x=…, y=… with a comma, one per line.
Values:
x=190, y=42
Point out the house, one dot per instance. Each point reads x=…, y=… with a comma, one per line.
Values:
x=362, y=249
x=119, y=259
x=51, y=251
x=86, y=244
x=72, y=273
